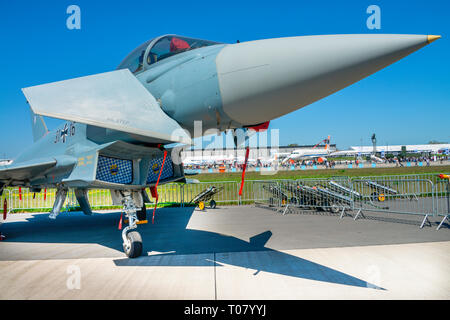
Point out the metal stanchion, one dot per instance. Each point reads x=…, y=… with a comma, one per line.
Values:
x=446, y=216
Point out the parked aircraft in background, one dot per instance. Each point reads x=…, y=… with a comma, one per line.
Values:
x=376, y=159
x=4, y=162
x=310, y=153
x=208, y=160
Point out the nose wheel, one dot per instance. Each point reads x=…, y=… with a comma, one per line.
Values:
x=133, y=246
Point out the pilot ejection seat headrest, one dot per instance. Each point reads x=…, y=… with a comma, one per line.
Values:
x=178, y=44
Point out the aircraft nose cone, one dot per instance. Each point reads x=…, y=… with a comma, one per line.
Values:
x=432, y=38
x=263, y=80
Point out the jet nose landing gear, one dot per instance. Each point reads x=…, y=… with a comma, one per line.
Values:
x=132, y=240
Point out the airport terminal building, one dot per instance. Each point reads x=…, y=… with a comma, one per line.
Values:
x=254, y=153
x=396, y=149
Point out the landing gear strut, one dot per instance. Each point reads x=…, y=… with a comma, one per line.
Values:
x=132, y=240
x=61, y=195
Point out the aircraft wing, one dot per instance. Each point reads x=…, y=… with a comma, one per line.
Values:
x=25, y=170
x=115, y=100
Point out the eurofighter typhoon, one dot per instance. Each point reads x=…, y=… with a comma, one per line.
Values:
x=119, y=122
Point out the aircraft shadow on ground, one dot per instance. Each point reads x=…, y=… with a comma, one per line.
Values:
x=170, y=243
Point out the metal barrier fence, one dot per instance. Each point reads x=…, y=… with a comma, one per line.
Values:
x=171, y=193
x=428, y=195
x=406, y=195
x=421, y=194
x=314, y=194
x=442, y=201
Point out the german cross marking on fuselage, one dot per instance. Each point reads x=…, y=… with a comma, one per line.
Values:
x=63, y=134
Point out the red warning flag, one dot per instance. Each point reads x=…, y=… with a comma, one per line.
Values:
x=243, y=171
x=261, y=127
x=120, y=221
x=154, y=192
x=5, y=209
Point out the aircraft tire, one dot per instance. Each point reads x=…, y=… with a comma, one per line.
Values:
x=212, y=204
x=135, y=248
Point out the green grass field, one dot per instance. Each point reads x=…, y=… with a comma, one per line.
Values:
x=321, y=173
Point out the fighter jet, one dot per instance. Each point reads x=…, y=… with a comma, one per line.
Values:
x=120, y=122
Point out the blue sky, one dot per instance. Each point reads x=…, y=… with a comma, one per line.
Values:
x=406, y=103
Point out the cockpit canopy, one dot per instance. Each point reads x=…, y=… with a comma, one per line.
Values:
x=159, y=49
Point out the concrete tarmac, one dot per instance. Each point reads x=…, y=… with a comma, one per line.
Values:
x=242, y=252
